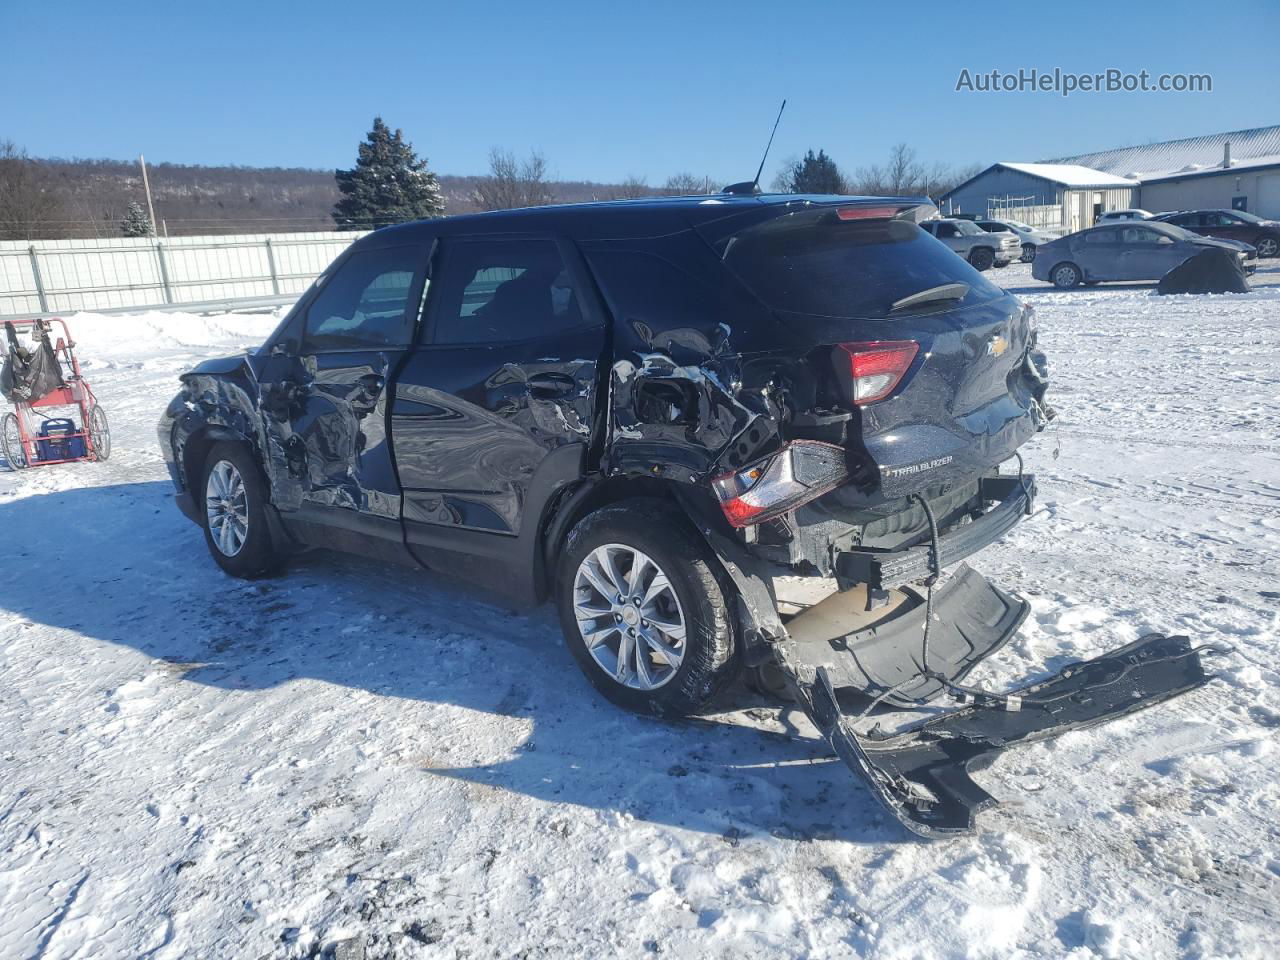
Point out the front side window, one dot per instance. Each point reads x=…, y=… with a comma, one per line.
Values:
x=1138, y=235
x=365, y=303
x=491, y=291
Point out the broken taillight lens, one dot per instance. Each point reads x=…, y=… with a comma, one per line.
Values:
x=876, y=367
x=799, y=472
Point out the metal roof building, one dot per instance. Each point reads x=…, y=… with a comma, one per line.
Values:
x=1239, y=169
x=1173, y=155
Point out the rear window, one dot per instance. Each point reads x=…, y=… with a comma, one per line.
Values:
x=814, y=263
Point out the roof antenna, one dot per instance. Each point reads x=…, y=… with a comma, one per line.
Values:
x=754, y=186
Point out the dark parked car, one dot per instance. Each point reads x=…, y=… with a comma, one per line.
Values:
x=1237, y=225
x=1140, y=250
x=647, y=410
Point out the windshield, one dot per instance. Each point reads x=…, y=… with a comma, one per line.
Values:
x=814, y=263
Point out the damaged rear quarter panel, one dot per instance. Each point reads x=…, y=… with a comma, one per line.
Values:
x=697, y=382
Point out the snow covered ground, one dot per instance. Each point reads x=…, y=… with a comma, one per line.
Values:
x=353, y=757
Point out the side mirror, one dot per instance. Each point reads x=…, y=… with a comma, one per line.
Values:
x=1165, y=241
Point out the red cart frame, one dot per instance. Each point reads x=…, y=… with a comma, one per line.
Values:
x=21, y=445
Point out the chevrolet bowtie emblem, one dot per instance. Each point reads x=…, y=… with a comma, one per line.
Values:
x=997, y=345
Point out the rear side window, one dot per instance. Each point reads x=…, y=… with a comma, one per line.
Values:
x=814, y=263
x=365, y=303
x=490, y=291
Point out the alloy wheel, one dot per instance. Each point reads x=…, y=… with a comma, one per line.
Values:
x=227, y=508
x=629, y=616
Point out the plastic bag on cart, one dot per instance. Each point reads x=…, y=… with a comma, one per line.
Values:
x=29, y=373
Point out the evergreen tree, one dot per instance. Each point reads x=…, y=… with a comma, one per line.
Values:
x=814, y=174
x=388, y=184
x=136, y=223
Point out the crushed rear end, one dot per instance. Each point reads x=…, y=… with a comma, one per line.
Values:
x=925, y=379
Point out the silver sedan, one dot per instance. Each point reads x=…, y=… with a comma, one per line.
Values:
x=1145, y=250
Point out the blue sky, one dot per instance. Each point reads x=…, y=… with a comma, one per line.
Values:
x=607, y=90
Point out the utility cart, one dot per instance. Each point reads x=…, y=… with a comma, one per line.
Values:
x=40, y=377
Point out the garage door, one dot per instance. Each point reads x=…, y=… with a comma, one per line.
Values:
x=1269, y=196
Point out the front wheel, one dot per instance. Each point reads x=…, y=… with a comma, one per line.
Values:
x=982, y=258
x=235, y=519
x=1268, y=246
x=1065, y=276
x=642, y=610
x=11, y=442
x=1028, y=252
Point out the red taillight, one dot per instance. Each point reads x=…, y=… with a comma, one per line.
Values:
x=877, y=367
x=801, y=471
x=866, y=213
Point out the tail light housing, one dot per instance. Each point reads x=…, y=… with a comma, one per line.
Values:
x=801, y=471
x=874, y=367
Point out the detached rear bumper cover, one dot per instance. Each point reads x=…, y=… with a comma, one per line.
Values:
x=922, y=774
x=884, y=569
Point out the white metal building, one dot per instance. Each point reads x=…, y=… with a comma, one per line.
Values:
x=1238, y=169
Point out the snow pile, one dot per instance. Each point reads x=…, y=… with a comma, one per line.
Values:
x=358, y=760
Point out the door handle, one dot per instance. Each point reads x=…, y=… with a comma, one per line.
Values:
x=551, y=384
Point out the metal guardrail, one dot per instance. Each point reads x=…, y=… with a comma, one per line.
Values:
x=120, y=276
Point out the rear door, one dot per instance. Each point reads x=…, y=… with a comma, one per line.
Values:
x=324, y=394
x=494, y=410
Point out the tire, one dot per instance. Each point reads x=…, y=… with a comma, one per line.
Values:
x=1268, y=245
x=99, y=432
x=11, y=442
x=982, y=258
x=1065, y=276
x=1028, y=252
x=241, y=544
x=692, y=596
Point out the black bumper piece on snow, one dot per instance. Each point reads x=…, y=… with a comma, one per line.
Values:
x=922, y=773
x=881, y=569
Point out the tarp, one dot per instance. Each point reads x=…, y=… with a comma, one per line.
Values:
x=29, y=373
x=1211, y=271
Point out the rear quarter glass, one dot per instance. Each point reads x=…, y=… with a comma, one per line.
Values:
x=812, y=263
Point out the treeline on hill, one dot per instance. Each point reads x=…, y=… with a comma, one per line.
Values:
x=56, y=198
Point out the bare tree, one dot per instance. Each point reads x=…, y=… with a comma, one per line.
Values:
x=686, y=185
x=904, y=175
x=512, y=183
x=633, y=187
x=29, y=207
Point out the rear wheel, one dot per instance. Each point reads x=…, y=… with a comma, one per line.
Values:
x=982, y=258
x=235, y=520
x=1065, y=276
x=11, y=440
x=642, y=610
x=100, y=432
x=1268, y=245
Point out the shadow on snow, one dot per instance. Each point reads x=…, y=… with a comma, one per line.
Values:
x=121, y=564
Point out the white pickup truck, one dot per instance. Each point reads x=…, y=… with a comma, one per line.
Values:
x=983, y=250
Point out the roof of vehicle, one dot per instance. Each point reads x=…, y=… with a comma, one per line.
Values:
x=647, y=216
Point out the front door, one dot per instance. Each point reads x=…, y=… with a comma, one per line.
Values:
x=1146, y=254
x=324, y=395
x=494, y=412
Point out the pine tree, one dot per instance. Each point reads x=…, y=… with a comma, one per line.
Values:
x=136, y=223
x=388, y=184
x=814, y=174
